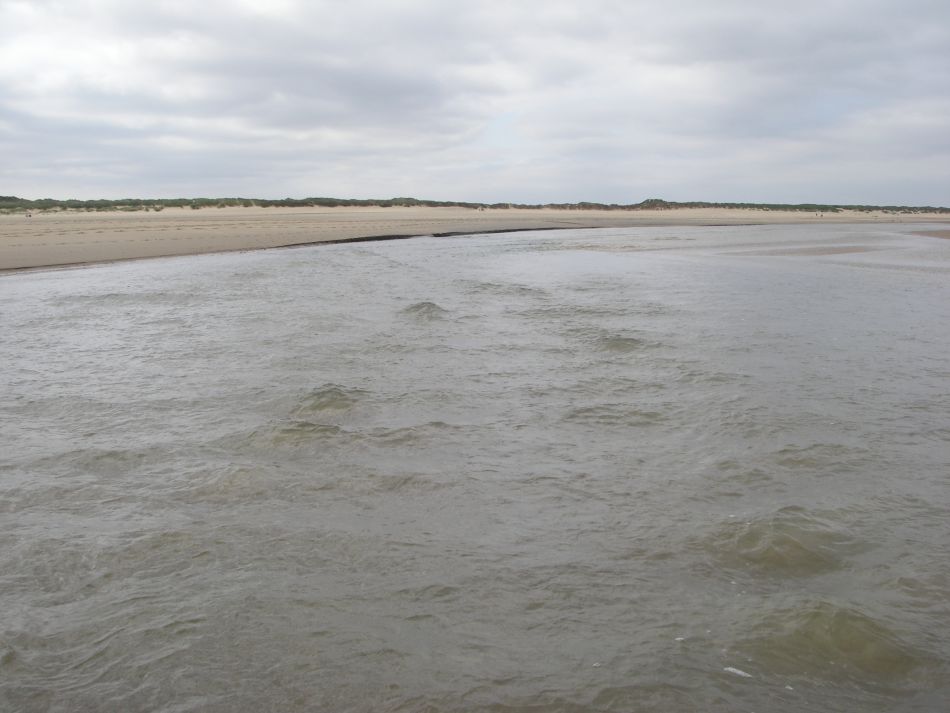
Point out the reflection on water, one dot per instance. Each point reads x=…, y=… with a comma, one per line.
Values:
x=700, y=469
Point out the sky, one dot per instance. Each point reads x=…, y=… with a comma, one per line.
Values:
x=534, y=101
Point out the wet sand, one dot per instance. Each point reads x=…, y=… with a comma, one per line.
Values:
x=70, y=238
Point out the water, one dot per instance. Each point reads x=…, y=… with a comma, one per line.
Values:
x=694, y=469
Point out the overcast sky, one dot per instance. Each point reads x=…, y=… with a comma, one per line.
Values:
x=844, y=101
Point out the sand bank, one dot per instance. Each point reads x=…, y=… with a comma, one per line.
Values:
x=69, y=238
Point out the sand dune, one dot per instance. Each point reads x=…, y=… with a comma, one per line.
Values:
x=67, y=238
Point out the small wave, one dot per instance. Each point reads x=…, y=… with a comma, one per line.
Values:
x=690, y=375
x=430, y=593
x=110, y=299
x=507, y=289
x=821, y=455
x=397, y=436
x=406, y=483
x=789, y=542
x=425, y=311
x=101, y=460
x=653, y=309
x=614, y=414
x=408, y=435
x=328, y=397
x=55, y=566
x=293, y=433
x=738, y=480
x=63, y=497
x=567, y=312
x=646, y=697
x=232, y=484
x=923, y=590
x=822, y=639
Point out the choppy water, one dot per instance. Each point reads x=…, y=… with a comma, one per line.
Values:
x=696, y=469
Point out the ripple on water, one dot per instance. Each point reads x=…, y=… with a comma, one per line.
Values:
x=401, y=483
x=614, y=415
x=925, y=590
x=738, y=478
x=823, y=640
x=231, y=484
x=305, y=433
x=623, y=345
x=113, y=299
x=789, y=542
x=100, y=461
x=565, y=313
x=52, y=566
x=506, y=289
x=299, y=433
x=822, y=456
x=411, y=435
x=653, y=309
x=645, y=697
x=688, y=373
x=429, y=593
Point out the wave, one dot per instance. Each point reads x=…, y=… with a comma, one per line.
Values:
x=425, y=311
x=833, y=642
x=789, y=542
x=328, y=397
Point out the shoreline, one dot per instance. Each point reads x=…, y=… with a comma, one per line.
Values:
x=75, y=239
x=289, y=246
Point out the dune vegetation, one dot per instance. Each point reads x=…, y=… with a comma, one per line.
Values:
x=13, y=204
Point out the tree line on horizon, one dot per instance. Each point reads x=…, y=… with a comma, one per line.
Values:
x=12, y=204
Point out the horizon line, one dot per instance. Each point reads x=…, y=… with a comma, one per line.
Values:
x=14, y=202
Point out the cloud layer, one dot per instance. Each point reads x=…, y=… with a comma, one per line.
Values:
x=521, y=100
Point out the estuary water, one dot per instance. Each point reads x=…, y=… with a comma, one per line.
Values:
x=654, y=469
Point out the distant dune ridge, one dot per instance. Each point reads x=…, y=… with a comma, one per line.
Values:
x=14, y=204
x=48, y=232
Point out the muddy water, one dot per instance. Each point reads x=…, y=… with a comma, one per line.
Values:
x=697, y=469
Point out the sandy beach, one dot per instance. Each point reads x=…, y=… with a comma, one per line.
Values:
x=71, y=238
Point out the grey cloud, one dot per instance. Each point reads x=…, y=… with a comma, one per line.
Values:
x=608, y=100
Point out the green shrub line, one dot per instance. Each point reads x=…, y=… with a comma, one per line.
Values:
x=12, y=204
